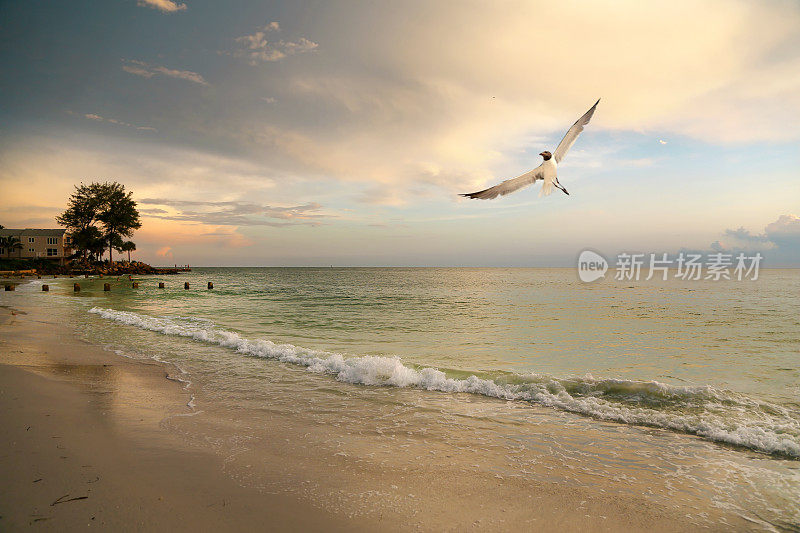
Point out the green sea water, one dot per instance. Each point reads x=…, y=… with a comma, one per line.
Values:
x=717, y=361
x=738, y=336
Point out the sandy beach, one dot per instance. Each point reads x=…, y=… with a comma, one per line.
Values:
x=83, y=446
x=94, y=438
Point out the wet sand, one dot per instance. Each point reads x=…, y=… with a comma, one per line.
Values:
x=82, y=445
x=91, y=437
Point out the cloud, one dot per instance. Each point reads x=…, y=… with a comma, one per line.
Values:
x=411, y=107
x=167, y=6
x=140, y=68
x=392, y=110
x=269, y=99
x=781, y=239
x=785, y=232
x=255, y=48
x=743, y=236
x=27, y=215
x=235, y=213
x=180, y=242
x=98, y=118
x=639, y=162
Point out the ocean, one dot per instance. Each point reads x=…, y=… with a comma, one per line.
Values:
x=692, y=382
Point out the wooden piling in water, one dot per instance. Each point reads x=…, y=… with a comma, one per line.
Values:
x=186, y=285
x=106, y=287
x=135, y=285
x=160, y=284
x=210, y=285
x=76, y=287
x=46, y=288
x=9, y=287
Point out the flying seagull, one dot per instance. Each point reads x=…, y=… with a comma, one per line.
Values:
x=546, y=172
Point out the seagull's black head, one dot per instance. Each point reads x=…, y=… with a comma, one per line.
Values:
x=547, y=155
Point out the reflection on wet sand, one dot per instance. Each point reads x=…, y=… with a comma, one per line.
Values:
x=123, y=393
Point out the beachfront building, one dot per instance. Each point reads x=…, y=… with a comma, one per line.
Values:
x=51, y=244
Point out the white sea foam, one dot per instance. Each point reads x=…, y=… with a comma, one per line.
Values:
x=710, y=413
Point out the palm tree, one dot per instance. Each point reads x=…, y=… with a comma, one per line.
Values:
x=128, y=246
x=12, y=243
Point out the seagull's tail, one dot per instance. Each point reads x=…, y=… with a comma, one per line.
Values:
x=547, y=187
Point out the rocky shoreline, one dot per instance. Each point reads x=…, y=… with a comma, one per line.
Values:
x=117, y=269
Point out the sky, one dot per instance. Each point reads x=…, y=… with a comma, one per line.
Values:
x=340, y=133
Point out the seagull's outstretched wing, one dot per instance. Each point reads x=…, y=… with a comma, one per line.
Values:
x=508, y=186
x=576, y=129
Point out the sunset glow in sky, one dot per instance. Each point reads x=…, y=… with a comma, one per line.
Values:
x=317, y=133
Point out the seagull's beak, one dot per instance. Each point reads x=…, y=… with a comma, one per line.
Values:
x=542, y=154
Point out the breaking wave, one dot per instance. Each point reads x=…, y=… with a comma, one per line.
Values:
x=713, y=414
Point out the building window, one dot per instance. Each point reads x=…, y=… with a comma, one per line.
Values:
x=31, y=250
x=52, y=240
x=31, y=239
x=68, y=239
x=52, y=252
x=2, y=251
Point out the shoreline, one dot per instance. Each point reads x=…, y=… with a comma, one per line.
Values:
x=122, y=417
x=75, y=456
x=134, y=268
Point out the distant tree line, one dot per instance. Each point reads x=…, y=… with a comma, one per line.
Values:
x=99, y=217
